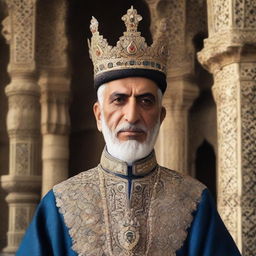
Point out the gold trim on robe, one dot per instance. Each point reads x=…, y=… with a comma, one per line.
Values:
x=103, y=220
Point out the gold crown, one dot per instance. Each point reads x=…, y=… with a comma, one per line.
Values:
x=131, y=51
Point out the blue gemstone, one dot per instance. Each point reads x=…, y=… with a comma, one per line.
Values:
x=146, y=63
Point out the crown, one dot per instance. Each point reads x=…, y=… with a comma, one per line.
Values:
x=131, y=56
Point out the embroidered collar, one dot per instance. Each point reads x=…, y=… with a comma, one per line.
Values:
x=140, y=168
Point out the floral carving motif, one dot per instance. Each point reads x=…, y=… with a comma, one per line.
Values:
x=250, y=14
x=221, y=14
x=248, y=116
x=225, y=92
x=6, y=31
x=22, y=158
x=22, y=220
x=51, y=34
x=23, y=25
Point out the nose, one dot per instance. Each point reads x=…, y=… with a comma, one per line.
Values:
x=132, y=112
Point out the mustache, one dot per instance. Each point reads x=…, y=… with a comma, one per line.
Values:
x=124, y=127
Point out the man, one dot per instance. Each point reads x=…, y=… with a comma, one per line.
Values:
x=128, y=205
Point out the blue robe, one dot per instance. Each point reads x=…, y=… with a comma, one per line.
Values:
x=48, y=235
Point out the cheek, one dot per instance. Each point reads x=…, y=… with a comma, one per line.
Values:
x=112, y=118
x=151, y=118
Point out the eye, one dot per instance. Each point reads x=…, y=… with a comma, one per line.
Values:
x=147, y=101
x=119, y=100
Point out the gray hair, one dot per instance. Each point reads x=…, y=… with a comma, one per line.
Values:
x=100, y=95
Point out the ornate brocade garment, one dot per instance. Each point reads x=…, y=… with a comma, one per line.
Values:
x=118, y=210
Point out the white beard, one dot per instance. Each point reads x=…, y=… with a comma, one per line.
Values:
x=131, y=150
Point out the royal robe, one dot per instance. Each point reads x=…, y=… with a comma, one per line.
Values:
x=120, y=210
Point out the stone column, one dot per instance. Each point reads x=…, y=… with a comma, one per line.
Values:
x=54, y=82
x=23, y=181
x=54, y=127
x=173, y=136
x=172, y=145
x=230, y=54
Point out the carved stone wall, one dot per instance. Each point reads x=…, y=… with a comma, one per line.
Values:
x=229, y=53
x=172, y=145
x=22, y=183
x=226, y=86
x=54, y=83
x=248, y=137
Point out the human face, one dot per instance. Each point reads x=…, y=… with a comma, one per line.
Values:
x=132, y=100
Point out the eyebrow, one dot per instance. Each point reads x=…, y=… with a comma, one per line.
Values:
x=117, y=94
x=147, y=94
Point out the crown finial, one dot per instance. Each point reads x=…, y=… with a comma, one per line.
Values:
x=94, y=25
x=131, y=19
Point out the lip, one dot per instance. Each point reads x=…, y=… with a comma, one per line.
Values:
x=132, y=130
x=131, y=134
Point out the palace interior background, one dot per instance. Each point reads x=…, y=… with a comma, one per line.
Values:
x=47, y=128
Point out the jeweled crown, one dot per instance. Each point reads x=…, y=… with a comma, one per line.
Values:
x=131, y=51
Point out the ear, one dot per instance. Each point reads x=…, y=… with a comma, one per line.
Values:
x=97, y=114
x=162, y=114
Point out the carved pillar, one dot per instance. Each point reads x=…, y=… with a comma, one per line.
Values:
x=23, y=181
x=230, y=54
x=172, y=144
x=54, y=83
x=173, y=138
x=54, y=127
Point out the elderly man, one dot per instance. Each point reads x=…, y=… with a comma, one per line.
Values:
x=128, y=204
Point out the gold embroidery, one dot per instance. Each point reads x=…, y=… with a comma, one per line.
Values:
x=79, y=200
x=102, y=220
x=140, y=167
x=124, y=216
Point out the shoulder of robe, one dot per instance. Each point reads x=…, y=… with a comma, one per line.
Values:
x=80, y=180
x=184, y=184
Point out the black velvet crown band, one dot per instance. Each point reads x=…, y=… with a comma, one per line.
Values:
x=158, y=77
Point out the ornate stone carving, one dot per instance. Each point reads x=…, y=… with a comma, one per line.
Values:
x=244, y=14
x=55, y=115
x=6, y=31
x=22, y=220
x=229, y=53
x=229, y=199
x=54, y=83
x=23, y=181
x=22, y=158
x=51, y=34
x=248, y=136
x=229, y=14
x=224, y=47
x=23, y=26
x=221, y=14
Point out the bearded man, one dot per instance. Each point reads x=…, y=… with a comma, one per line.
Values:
x=128, y=204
